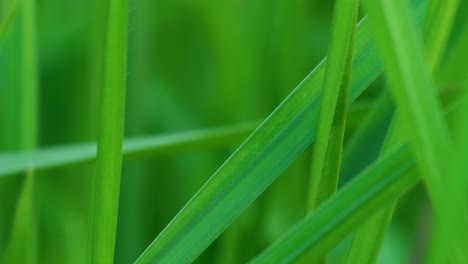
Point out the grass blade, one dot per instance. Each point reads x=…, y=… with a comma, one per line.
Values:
x=416, y=94
x=257, y=162
x=105, y=201
x=326, y=157
x=368, y=240
x=22, y=247
x=383, y=181
x=9, y=18
x=61, y=156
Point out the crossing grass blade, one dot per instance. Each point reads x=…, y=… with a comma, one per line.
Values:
x=61, y=156
x=383, y=182
x=401, y=50
x=326, y=159
x=257, y=162
x=105, y=201
x=368, y=240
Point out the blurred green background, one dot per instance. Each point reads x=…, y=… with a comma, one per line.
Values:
x=191, y=64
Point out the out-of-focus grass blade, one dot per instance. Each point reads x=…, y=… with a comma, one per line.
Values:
x=382, y=182
x=402, y=53
x=22, y=247
x=326, y=159
x=61, y=156
x=257, y=162
x=106, y=188
x=9, y=18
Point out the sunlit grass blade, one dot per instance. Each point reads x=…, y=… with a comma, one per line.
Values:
x=61, y=156
x=326, y=159
x=105, y=201
x=259, y=160
x=22, y=247
x=402, y=53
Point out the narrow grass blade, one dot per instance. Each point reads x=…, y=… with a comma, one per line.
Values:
x=105, y=201
x=22, y=247
x=257, y=162
x=328, y=145
x=401, y=50
x=61, y=156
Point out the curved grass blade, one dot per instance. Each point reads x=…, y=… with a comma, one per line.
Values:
x=328, y=145
x=105, y=200
x=22, y=247
x=257, y=162
x=61, y=156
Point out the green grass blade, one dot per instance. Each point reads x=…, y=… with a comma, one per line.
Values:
x=9, y=18
x=328, y=145
x=438, y=24
x=22, y=247
x=61, y=156
x=258, y=161
x=401, y=50
x=105, y=201
x=383, y=181
x=368, y=240
x=350, y=206
x=30, y=76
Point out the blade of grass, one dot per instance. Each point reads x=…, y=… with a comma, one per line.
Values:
x=22, y=247
x=362, y=196
x=61, y=156
x=384, y=180
x=9, y=18
x=368, y=240
x=105, y=201
x=23, y=241
x=326, y=157
x=257, y=162
x=413, y=89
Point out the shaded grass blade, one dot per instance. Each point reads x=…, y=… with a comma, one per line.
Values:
x=262, y=157
x=105, y=201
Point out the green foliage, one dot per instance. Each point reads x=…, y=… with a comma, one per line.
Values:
x=148, y=198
